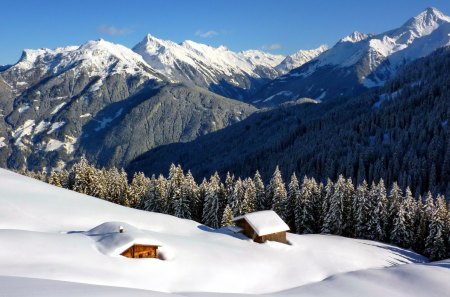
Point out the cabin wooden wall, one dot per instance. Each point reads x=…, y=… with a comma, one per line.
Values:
x=279, y=236
x=247, y=230
x=141, y=251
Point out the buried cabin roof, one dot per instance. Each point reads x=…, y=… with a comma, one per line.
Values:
x=264, y=222
x=111, y=242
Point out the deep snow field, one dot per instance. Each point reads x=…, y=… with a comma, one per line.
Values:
x=46, y=249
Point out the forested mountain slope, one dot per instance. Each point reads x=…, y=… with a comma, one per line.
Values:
x=100, y=99
x=398, y=132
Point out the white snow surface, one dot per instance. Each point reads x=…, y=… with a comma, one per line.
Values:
x=67, y=259
x=264, y=222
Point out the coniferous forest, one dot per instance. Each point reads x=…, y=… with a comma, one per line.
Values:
x=376, y=212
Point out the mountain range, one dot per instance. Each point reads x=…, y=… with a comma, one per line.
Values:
x=115, y=104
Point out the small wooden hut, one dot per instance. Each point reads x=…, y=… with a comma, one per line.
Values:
x=141, y=251
x=261, y=226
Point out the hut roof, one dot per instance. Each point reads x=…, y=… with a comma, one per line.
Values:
x=264, y=222
x=110, y=241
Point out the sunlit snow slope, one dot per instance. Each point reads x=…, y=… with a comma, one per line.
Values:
x=45, y=251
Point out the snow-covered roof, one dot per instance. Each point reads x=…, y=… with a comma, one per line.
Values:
x=264, y=222
x=110, y=241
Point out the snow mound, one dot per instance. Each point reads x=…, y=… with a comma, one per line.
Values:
x=50, y=219
x=112, y=242
x=264, y=222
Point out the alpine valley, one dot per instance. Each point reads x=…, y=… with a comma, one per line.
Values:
x=121, y=107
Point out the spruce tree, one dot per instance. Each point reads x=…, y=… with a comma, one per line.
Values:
x=174, y=185
x=277, y=193
x=362, y=207
x=292, y=204
x=137, y=189
x=249, y=201
x=307, y=222
x=212, y=204
x=260, y=192
x=401, y=233
x=436, y=242
x=227, y=217
x=237, y=198
x=334, y=219
x=394, y=199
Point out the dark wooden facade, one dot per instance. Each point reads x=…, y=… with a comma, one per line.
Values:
x=248, y=231
x=141, y=251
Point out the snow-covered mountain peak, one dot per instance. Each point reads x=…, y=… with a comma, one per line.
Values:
x=257, y=57
x=95, y=58
x=299, y=58
x=354, y=37
x=429, y=18
x=204, y=65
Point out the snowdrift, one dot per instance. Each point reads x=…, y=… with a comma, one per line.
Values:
x=51, y=236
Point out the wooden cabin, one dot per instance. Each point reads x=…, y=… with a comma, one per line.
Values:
x=261, y=226
x=141, y=251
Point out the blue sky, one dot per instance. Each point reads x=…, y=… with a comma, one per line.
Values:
x=279, y=26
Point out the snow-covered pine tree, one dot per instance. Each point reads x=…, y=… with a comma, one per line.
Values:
x=436, y=242
x=182, y=205
x=334, y=219
x=318, y=198
x=307, y=222
x=227, y=217
x=349, y=197
x=411, y=210
x=401, y=234
x=174, y=184
x=59, y=178
x=362, y=206
x=277, y=193
x=260, y=192
x=379, y=217
x=116, y=186
x=86, y=179
x=328, y=192
x=249, y=201
x=161, y=194
x=394, y=199
x=149, y=202
x=190, y=190
x=292, y=203
x=229, y=186
x=420, y=234
x=201, y=199
x=137, y=189
x=237, y=198
x=211, y=206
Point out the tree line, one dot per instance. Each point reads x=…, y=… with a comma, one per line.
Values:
x=336, y=207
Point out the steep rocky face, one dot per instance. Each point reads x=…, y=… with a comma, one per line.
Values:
x=52, y=101
x=359, y=61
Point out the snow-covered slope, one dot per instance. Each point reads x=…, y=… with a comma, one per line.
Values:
x=51, y=222
x=360, y=61
x=299, y=58
x=225, y=72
